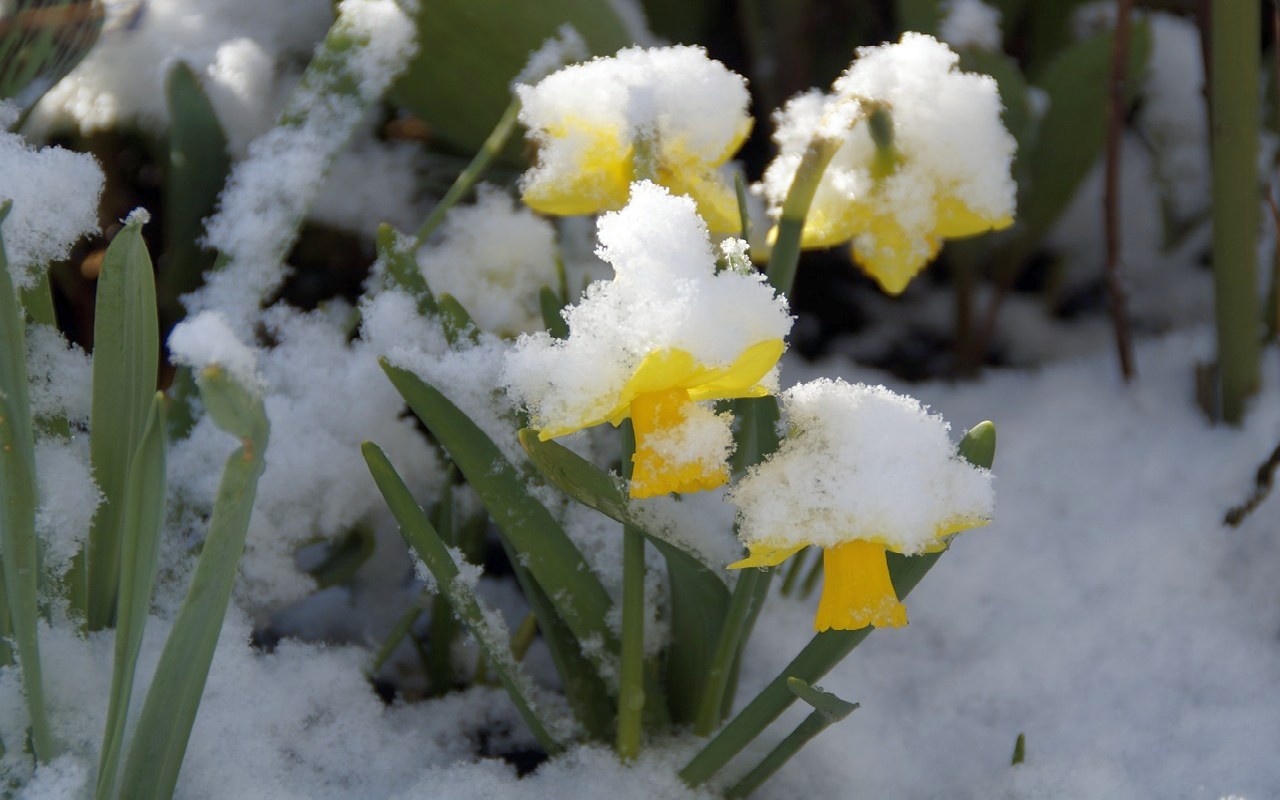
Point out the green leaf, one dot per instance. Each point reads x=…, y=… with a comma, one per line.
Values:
x=457, y=322
x=1019, y=750
x=1071, y=134
x=699, y=598
x=422, y=537
x=18, y=546
x=41, y=42
x=396, y=255
x=541, y=544
x=923, y=16
x=198, y=167
x=489, y=41
x=826, y=649
x=549, y=303
x=343, y=557
x=164, y=726
x=143, y=518
x=828, y=710
x=126, y=353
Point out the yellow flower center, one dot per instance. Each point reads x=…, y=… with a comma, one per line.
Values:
x=857, y=590
x=658, y=471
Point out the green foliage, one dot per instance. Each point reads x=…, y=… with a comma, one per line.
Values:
x=164, y=726
x=126, y=354
x=19, y=548
x=489, y=41
x=198, y=167
x=143, y=518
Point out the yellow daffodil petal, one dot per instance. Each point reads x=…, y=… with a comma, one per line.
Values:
x=656, y=472
x=765, y=555
x=857, y=590
x=598, y=180
x=892, y=258
x=716, y=199
x=678, y=369
x=957, y=221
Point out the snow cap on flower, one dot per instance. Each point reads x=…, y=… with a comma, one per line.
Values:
x=667, y=332
x=863, y=470
x=945, y=175
x=588, y=120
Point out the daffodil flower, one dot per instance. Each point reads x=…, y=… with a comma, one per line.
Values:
x=673, y=108
x=863, y=471
x=656, y=344
x=940, y=169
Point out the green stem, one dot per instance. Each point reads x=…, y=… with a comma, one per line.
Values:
x=631, y=672
x=1236, y=63
x=727, y=647
x=786, y=250
x=491, y=149
x=812, y=725
x=793, y=573
x=398, y=632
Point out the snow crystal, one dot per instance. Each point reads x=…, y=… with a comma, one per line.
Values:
x=68, y=499
x=206, y=339
x=703, y=438
x=859, y=462
x=373, y=182
x=268, y=192
x=55, y=202
x=494, y=257
x=566, y=47
x=734, y=253
x=666, y=295
x=1173, y=114
x=60, y=376
x=970, y=23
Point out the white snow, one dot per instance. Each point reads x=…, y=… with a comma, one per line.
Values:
x=207, y=339
x=269, y=192
x=494, y=257
x=55, y=202
x=970, y=23
x=860, y=462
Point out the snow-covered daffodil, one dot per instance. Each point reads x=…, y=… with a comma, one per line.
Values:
x=680, y=113
x=667, y=335
x=940, y=167
x=862, y=471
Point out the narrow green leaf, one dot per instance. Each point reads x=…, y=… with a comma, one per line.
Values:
x=826, y=649
x=1073, y=129
x=143, y=517
x=699, y=597
x=126, y=352
x=198, y=168
x=833, y=707
x=541, y=544
x=457, y=322
x=422, y=537
x=21, y=551
x=164, y=726
x=549, y=303
x=396, y=255
x=1019, y=750
x=828, y=710
x=588, y=696
x=344, y=557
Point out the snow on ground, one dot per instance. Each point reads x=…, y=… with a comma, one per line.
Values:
x=1106, y=613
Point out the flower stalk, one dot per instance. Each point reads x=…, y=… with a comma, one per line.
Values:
x=1234, y=82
